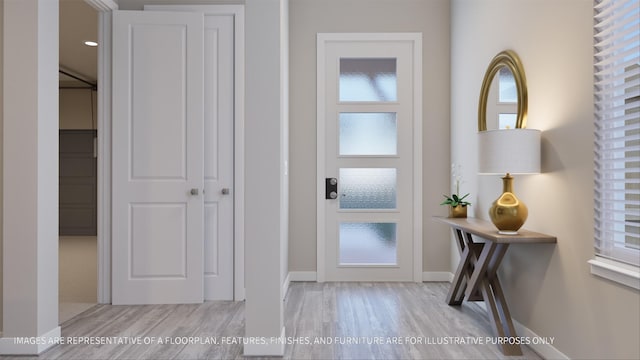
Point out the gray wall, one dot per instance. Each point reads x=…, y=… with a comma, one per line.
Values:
x=78, y=109
x=309, y=17
x=549, y=288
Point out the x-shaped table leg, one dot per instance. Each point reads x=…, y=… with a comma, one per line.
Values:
x=477, y=271
x=468, y=253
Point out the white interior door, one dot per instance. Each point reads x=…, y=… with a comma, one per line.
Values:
x=367, y=185
x=218, y=164
x=219, y=119
x=158, y=172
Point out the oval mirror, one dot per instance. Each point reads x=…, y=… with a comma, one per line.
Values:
x=503, y=96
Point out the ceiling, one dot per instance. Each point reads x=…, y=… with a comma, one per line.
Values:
x=78, y=23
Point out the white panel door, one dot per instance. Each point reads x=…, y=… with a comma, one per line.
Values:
x=218, y=158
x=157, y=126
x=219, y=38
x=367, y=117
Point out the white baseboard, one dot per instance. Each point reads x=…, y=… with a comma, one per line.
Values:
x=11, y=346
x=426, y=276
x=546, y=351
x=436, y=276
x=303, y=276
x=270, y=348
x=296, y=276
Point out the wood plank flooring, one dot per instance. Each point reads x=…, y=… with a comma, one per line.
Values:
x=357, y=320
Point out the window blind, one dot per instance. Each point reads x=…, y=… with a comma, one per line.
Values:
x=617, y=129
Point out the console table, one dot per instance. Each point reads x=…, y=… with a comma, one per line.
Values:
x=476, y=277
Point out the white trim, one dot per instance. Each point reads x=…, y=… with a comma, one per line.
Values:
x=427, y=276
x=272, y=347
x=322, y=39
x=546, y=351
x=103, y=123
x=417, y=156
x=8, y=346
x=320, y=158
x=621, y=273
x=239, y=143
x=437, y=276
x=303, y=276
x=295, y=276
x=104, y=158
x=103, y=5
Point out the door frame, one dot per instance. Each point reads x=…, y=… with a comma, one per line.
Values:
x=322, y=40
x=105, y=8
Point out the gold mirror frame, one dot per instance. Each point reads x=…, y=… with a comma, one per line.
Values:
x=509, y=59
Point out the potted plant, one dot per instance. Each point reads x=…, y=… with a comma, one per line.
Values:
x=457, y=204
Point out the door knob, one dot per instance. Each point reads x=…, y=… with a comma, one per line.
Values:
x=225, y=191
x=194, y=191
x=333, y=195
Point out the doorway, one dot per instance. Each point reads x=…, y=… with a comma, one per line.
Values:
x=78, y=258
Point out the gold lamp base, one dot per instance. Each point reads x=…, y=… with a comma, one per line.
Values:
x=508, y=213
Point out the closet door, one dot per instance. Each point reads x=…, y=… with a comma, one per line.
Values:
x=218, y=157
x=158, y=147
x=219, y=122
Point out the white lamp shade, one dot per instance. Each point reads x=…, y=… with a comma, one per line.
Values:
x=514, y=151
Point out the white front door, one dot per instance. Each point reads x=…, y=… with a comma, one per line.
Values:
x=158, y=147
x=368, y=116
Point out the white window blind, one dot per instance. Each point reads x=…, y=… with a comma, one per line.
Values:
x=617, y=129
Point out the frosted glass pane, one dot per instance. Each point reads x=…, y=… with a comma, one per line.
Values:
x=368, y=243
x=368, y=134
x=507, y=121
x=365, y=188
x=507, y=84
x=368, y=80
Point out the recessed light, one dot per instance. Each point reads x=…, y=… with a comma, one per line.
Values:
x=91, y=43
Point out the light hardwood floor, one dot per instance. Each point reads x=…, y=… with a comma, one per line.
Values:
x=341, y=312
x=77, y=274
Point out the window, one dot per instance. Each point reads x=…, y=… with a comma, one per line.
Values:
x=508, y=92
x=508, y=98
x=617, y=131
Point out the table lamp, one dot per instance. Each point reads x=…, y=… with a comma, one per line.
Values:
x=510, y=151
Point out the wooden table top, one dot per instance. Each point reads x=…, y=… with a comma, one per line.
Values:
x=486, y=230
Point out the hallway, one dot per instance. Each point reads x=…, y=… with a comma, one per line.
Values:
x=355, y=320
